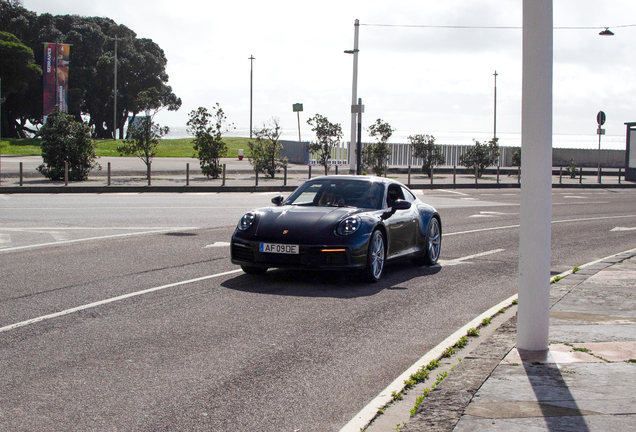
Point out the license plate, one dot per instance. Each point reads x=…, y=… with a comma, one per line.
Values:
x=279, y=248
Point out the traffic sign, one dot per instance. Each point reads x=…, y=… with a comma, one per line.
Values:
x=600, y=118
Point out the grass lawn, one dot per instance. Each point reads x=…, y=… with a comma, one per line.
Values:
x=108, y=147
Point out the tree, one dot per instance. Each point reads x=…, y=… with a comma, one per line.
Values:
x=144, y=136
x=208, y=129
x=141, y=67
x=265, y=151
x=328, y=136
x=481, y=156
x=17, y=72
x=375, y=156
x=65, y=140
x=424, y=147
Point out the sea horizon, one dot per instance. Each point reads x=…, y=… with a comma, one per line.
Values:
x=506, y=139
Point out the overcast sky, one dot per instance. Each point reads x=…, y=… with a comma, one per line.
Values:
x=419, y=79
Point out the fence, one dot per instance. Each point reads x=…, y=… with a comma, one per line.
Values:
x=401, y=155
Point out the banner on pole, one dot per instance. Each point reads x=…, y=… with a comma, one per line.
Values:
x=56, y=64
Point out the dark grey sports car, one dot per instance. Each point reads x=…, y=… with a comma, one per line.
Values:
x=339, y=223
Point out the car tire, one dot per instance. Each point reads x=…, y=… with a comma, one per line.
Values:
x=376, y=257
x=433, y=242
x=254, y=270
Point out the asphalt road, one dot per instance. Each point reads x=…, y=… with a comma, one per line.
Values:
x=123, y=312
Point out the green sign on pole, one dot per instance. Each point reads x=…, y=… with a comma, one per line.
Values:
x=298, y=107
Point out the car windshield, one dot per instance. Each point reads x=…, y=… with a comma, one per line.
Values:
x=339, y=193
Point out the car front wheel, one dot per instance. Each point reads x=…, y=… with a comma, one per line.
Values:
x=376, y=257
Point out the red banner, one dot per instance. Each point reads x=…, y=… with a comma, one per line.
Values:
x=56, y=63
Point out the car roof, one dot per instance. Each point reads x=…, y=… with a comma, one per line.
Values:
x=356, y=178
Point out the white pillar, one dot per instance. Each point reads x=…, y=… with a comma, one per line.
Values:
x=354, y=100
x=536, y=177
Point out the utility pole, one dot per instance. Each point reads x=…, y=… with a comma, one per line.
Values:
x=494, y=135
x=354, y=95
x=115, y=96
x=251, y=59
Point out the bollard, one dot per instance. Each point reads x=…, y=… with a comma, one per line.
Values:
x=149, y=172
x=600, y=174
x=108, y=174
x=256, y=177
x=285, y=175
x=408, y=183
x=65, y=173
x=620, y=173
x=223, y=181
x=580, y=175
x=476, y=174
x=497, y=174
x=187, y=174
x=309, y=172
x=336, y=169
x=519, y=175
x=560, y=175
x=21, y=174
x=454, y=175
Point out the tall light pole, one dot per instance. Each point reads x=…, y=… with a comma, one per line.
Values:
x=115, y=96
x=494, y=134
x=354, y=96
x=251, y=59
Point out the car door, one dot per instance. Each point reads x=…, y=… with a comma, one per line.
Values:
x=402, y=226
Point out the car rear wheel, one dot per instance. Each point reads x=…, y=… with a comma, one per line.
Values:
x=376, y=257
x=253, y=270
x=432, y=245
x=433, y=242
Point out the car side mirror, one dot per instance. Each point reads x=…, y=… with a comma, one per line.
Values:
x=278, y=200
x=398, y=204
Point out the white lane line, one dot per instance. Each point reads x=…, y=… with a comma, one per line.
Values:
x=554, y=222
x=113, y=299
x=464, y=260
x=217, y=244
x=95, y=238
x=623, y=229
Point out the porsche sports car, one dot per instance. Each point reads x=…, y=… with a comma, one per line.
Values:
x=339, y=223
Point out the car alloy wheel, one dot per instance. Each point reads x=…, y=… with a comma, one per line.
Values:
x=433, y=241
x=376, y=256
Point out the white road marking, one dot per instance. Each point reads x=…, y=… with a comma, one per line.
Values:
x=5, y=240
x=452, y=192
x=623, y=229
x=152, y=231
x=488, y=214
x=217, y=244
x=464, y=260
x=113, y=299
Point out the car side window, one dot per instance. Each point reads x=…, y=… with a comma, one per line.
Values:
x=394, y=193
x=408, y=195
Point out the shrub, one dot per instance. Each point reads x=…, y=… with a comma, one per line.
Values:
x=208, y=129
x=481, y=156
x=424, y=147
x=67, y=140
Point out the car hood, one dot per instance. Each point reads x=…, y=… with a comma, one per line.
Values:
x=299, y=223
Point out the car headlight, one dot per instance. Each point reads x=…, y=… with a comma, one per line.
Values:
x=246, y=221
x=349, y=225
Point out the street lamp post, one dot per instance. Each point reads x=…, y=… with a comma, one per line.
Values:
x=115, y=96
x=251, y=59
x=494, y=134
x=354, y=96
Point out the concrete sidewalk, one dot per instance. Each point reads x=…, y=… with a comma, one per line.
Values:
x=586, y=381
